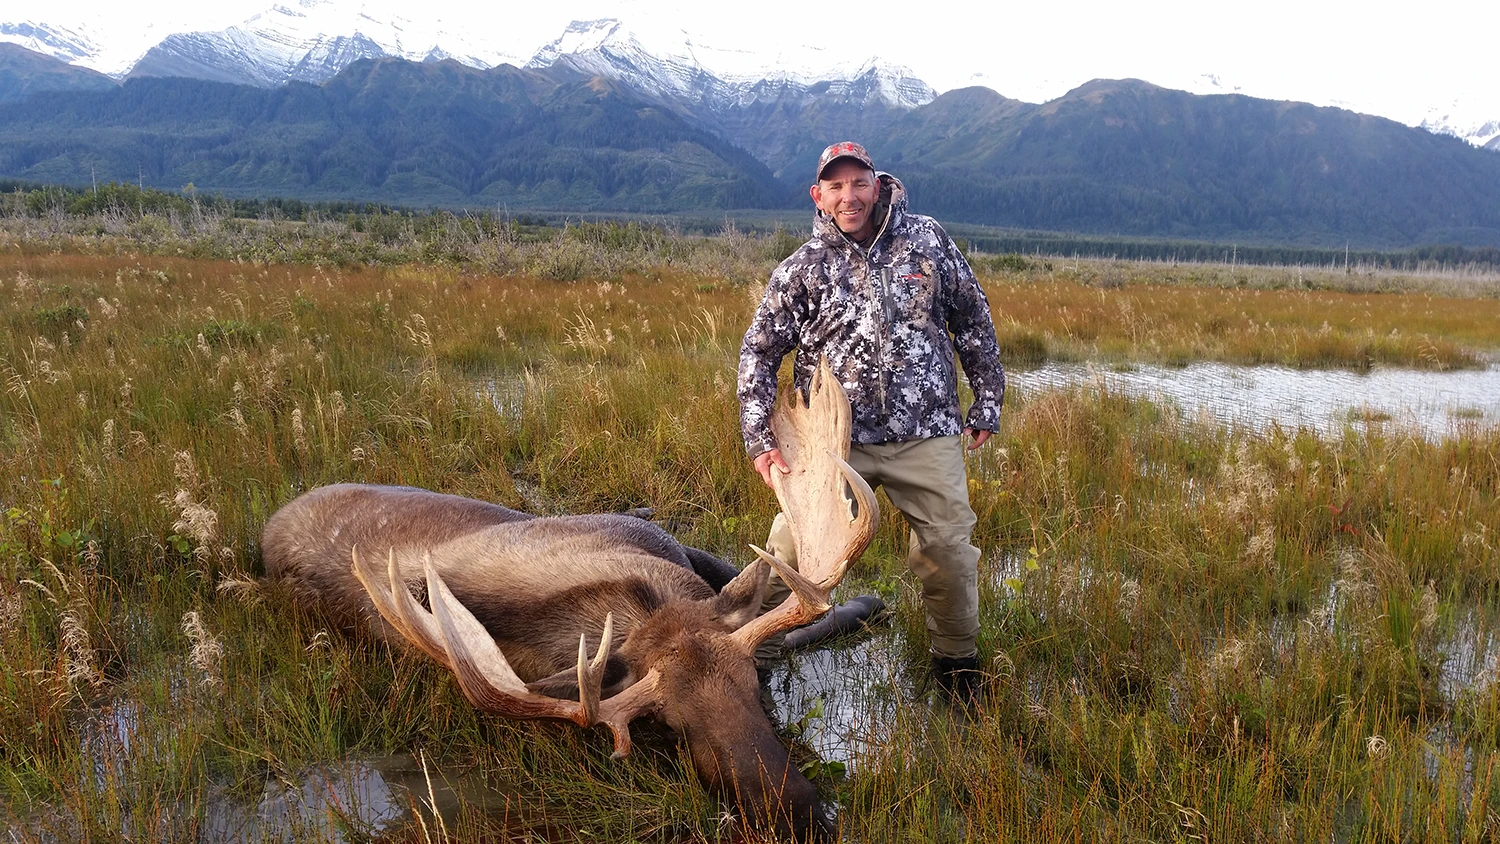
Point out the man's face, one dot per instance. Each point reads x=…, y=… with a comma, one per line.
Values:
x=847, y=192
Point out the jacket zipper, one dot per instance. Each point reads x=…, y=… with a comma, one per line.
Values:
x=882, y=279
x=881, y=288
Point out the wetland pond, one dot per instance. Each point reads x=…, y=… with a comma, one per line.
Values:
x=1435, y=403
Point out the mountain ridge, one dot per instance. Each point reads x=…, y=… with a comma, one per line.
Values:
x=1111, y=157
x=1151, y=160
x=436, y=132
x=24, y=73
x=331, y=34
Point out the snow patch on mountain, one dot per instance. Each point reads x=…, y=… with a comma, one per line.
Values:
x=673, y=64
x=110, y=50
x=311, y=41
x=1473, y=119
x=69, y=45
x=1208, y=83
x=1473, y=116
x=662, y=55
x=607, y=48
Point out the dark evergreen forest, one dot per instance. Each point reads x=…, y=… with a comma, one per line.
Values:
x=1117, y=159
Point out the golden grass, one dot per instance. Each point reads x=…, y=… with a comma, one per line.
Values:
x=1301, y=328
x=1192, y=632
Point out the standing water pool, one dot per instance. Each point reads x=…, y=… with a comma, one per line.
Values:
x=1436, y=403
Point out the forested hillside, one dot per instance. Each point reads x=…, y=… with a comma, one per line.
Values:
x=390, y=130
x=1128, y=157
x=24, y=73
x=1118, y=158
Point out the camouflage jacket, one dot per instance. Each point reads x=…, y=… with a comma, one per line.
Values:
x=883, y=317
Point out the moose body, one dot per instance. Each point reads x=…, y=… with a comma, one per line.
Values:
x=535, y=583
x=515, y=602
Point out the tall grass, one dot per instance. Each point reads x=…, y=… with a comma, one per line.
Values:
x=1045, y=308
x=1048, y=318
x=1192, y=632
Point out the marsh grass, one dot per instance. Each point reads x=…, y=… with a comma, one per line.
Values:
x=1052, y=309
x=1194, y=632
x=1055, y=318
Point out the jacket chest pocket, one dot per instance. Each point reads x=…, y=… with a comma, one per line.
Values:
x=910, y=292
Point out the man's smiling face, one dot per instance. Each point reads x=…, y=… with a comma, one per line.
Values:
x=847, y=191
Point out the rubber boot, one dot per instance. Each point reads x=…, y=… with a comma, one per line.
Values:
x=851, y=616
x=959, y=678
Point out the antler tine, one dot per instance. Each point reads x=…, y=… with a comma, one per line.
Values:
x=591, y=674
x=829, y=528
x=486, y=678
x=813, y=597
x=641, y=698
x=410, y=625
x=455, y=639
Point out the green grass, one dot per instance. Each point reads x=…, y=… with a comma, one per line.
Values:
x=1193, y=633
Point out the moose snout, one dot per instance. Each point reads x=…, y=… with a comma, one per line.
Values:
x=739, y=755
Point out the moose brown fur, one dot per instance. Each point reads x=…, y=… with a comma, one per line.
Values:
x=517, y=603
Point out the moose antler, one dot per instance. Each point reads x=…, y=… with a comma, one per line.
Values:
x=829, y=528
x=455, y=639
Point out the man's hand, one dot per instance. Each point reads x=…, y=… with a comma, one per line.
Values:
x=765, y=460
x=979, y=437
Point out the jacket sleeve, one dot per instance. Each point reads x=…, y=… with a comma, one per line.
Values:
x=974, y=339
x=772, y=334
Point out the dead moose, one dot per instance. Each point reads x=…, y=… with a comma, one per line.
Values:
x=518, y=602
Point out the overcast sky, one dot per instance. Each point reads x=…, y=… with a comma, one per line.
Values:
x=1393, y=59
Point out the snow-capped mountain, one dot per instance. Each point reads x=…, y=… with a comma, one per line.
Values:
x=104, y=48
x=672, y=65
x=73, y=46
x=1479, y=127
x=608, y=48
x=309, y=41
x=312, y=40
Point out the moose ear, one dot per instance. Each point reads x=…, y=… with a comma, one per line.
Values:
x=564, y=684
x=740, y=599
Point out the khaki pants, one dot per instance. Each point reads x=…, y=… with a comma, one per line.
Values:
x=926, y=481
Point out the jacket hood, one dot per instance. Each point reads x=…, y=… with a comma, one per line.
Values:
x=890, y=210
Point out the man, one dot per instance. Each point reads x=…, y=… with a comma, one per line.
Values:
x=887, y=298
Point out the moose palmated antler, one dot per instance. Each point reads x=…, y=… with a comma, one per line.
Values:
x=830, y=529
x=454, y=638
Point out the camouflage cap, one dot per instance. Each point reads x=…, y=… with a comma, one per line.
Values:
x=843, y=149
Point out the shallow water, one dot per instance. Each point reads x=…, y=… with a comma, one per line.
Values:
x=507, y=394
x=350, y=801
x=854, y=683
x=1436, y=403
x=353, y=794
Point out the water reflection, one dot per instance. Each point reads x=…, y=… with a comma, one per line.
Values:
x=1436, y=403
x=350, y=801
x=507, y=394
x=864, y=686
x=856, y=684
